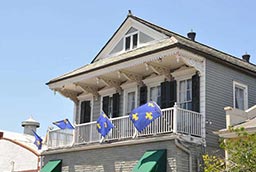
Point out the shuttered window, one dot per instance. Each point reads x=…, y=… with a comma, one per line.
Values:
x=85, y=112
x=155, y=94
x=143, y=95
x=111, y=104
x=107, y=108
x=116, y=105
x=168, y=94
x=196, y=93
x=185, y=94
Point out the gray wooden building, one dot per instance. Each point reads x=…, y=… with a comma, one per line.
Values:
x=190, y=81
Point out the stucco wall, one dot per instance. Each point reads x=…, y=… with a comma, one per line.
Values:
x=21, y=158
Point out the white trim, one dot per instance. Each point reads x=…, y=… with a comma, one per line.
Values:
x=153, y=80
x=184, y=73
x=245, y=88
x=107, y=91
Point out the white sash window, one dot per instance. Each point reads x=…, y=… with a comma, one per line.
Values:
x=240, y=96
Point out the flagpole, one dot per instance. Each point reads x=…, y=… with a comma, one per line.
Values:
x=74, y=136
x=102, y=139
x=135, y=133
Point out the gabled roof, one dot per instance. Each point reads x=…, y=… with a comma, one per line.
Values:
x=172, y=40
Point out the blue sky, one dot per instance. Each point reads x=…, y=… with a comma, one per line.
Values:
x=42, y=39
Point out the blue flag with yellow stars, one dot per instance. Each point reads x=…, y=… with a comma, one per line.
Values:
x=144, y=115
x=104, y=125
x=64, y=124
x=38, y=141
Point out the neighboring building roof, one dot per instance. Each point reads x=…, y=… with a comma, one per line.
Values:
x=181, y=42
x=24, y=140
x=250, y=123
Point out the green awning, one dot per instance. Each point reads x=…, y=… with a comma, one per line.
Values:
x=52, y=166
x=152, y=161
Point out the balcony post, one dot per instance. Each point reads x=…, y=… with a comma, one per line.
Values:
x=74, y=136
x=175, y=111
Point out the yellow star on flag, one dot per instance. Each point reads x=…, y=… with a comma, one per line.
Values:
x=149, y=115
x=135, y=116
x=151, y=104
x=98, y=125
x=105, y=125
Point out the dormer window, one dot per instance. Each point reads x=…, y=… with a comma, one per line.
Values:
x=131, y=39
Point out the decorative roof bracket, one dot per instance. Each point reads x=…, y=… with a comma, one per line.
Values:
x=132, y=76
x=88, y=88
x=72, y=95
x=159, y=69
x=110, y=83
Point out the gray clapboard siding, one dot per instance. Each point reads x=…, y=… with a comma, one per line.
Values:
x=219, y=93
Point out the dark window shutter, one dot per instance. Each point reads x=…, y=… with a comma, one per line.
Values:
x=85, y=115
x=105, y=102
x=173, y=92
x=143, y=95
x=196, y=93
x=116, y=104
x=168, y=94
x=165, y=94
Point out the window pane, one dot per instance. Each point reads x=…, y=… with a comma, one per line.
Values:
x=127, y=43
x=185, y=94
x=239, y=98
x=134, y=41
x=130, y=102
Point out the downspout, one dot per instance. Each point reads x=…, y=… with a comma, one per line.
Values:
x=187, y=151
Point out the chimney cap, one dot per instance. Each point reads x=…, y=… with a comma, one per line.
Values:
x=246, y=57
x=191, y=35
x=30, y=122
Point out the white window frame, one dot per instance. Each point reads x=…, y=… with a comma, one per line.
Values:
x=131, y=87
x=184, y=73
x=82, y=98
x=178, y=89
x=153, y=81
x=245, y=88
x=131, y=40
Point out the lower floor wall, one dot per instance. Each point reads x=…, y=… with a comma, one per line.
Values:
x=123, y=158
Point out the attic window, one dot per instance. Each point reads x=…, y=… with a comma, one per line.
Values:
x=131, y=39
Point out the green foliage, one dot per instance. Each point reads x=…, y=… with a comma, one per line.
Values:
x=241, y=154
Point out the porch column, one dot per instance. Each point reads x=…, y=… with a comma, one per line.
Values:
x=175, y=111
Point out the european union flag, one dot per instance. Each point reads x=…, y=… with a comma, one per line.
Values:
x=38, y=141
x=63, y=124
x=104, y=125
x=144, y=115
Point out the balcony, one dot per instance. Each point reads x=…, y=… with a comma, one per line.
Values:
x=173, y=120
